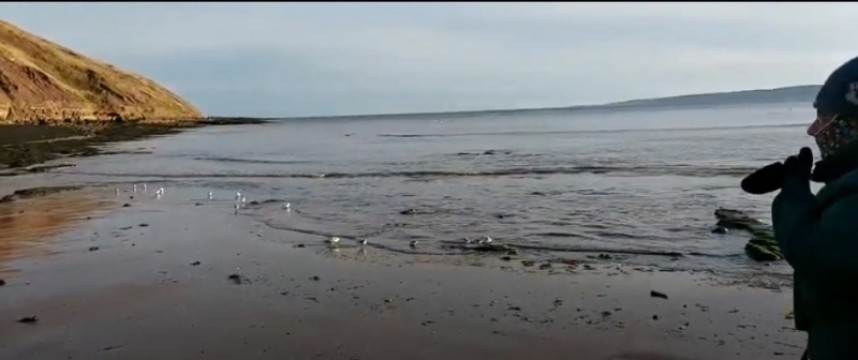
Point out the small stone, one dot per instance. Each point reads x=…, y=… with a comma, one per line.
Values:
x=657, y=294
x=506, y=258
x=2, y=282
x=28, y=319
x=144, y=225
x=545, y=266
x=235, y=278
x=195, y=263
x=655, y=317
x=93, y=248
x=300, y=245
x=528, y=263
x=126, y=205
x=315, y=278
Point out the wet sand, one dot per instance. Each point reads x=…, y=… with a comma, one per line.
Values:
x=113, y=282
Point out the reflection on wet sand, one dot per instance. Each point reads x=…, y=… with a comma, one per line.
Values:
x=26, y=225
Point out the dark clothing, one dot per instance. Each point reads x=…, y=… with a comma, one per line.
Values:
x=818, y=236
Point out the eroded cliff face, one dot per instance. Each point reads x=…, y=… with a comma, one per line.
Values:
x=41, y=81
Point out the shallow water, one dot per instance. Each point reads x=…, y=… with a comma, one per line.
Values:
x=552, y=180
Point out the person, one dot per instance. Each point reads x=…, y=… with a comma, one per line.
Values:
x=818, y=234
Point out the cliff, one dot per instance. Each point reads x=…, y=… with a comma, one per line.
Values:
x=41, y=81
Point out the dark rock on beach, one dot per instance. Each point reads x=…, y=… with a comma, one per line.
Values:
x=762, y=246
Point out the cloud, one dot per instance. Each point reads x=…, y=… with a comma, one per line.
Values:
x=297, y=59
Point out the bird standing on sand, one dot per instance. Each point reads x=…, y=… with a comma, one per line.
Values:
x=243, y=200
x=364, y=242
x=211, y=195
x=134, y=188
x=238, y=196
x=333, y=240
x=117, y=191
x=487, y=240
x=413, y=243
x=236, y=208
x=159, y=193
x=287, y=206
x=144, y=188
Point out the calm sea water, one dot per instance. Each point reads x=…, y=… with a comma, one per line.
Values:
x=554, y=180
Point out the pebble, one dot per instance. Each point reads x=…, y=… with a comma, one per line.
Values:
x=28, y=319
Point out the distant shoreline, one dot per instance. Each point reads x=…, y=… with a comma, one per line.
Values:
x=24, y=145
x=784, y=95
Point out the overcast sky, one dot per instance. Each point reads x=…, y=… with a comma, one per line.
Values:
x=304, y=59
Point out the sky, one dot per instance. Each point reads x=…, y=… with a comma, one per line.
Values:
x=320, y=59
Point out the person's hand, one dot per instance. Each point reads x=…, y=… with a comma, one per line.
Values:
x=797, y=168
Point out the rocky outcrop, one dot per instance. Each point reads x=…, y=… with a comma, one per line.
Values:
x=762, y=246
x=41, y=81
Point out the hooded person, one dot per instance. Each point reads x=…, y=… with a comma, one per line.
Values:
x=818, y=234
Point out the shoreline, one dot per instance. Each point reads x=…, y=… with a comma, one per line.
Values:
x=24, y=146
x=159, y=272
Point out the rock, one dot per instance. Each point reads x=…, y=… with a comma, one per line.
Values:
x=506, y=258
x=655, y=317
x=47, y=83
x=657, y=294
x=411, y=212
x=315, y=278
x=737, y=220
x=528, y=263
x=93, y=248
x=126, y=205
x=2, y=282
x=496, y=248
x=761, y=249
x=762, y=246
x=545, y=266
x=28, y=319
x=195, y=263
x=538, y=193
x=235, y=278
x=144, y=225
x=489, y=152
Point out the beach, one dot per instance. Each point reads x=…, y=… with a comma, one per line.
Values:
x=151, y=280
x=602, y=241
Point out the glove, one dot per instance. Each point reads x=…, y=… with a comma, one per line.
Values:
x=797, y=169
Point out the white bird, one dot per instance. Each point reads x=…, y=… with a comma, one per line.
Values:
x=287, y=206
x=117, y=191
x=364, y=242
x=468, y=240
x=161, y=191
x=487, y=240
x=243, y=200
x=144, y=188
x=413, y=243
x=238, y=196
x=134, y=188
x=211, y=195
x=333, y=240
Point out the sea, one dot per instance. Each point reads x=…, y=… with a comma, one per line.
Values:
x=555, y=182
